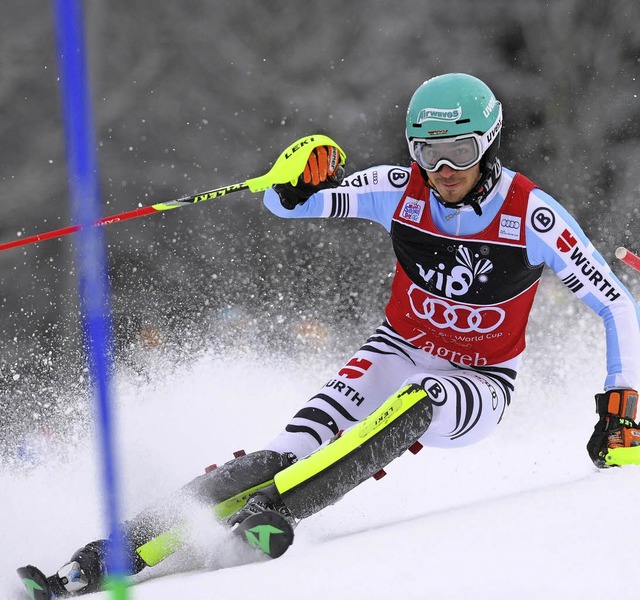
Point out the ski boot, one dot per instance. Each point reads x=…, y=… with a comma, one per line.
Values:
x=83, y=574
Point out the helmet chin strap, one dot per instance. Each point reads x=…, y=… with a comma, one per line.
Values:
x=488, y=179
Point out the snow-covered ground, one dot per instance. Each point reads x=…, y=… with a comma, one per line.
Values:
x=523, y=514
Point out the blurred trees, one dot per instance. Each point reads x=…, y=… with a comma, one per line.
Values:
x=192, y=95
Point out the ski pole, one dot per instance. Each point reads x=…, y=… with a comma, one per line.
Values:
x=287, y=168
x=628, y=257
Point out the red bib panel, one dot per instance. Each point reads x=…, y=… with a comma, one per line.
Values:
x=466, y=299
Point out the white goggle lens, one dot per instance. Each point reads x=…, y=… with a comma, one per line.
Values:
x=457, y=153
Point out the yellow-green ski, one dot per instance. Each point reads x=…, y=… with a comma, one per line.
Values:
x=617, y=457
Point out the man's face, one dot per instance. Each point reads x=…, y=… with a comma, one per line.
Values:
x=454, y=185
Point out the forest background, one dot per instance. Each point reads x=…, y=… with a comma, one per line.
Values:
x=196, y=94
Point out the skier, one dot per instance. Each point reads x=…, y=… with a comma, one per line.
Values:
x=471, y=240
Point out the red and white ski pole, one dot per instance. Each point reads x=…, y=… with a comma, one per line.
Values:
x=287, y=168
x=628, y=257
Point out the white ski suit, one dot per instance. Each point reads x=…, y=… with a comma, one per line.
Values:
x=460, y=300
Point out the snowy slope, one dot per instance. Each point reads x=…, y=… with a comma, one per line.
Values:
x=521, y=515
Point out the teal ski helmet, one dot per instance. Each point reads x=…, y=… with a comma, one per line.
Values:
x=454, y=119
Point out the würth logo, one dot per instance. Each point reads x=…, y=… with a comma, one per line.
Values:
x=566, y=241
x=355, y=368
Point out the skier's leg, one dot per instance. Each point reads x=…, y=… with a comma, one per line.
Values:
x=376, y=371
x=468, y=403
x=351, y=457
x=296, y=490
x=363, y=392
x=159, y=531
x=367, y=379
x=454, y=406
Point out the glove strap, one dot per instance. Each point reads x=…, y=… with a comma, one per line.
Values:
x=623, y=403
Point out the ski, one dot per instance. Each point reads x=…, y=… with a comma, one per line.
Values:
x=267, y=531
x=617, y=457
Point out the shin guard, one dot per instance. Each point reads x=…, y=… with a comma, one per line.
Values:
x=330, y=472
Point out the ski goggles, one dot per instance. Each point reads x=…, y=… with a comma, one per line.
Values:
x=459, y=153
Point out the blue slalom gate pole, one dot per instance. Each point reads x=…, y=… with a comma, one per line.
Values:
x=91, y=259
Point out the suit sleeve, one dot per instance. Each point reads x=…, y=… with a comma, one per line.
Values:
x=372, y=194
x=556, y=239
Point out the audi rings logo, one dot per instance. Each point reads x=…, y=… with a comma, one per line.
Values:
x=509, y=223
x=458, y=317
x=510, y=227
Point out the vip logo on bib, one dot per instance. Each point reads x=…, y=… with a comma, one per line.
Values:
x=412, y=210
x=509, y=227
